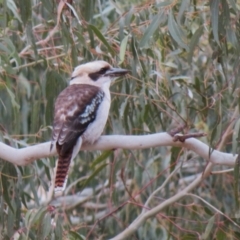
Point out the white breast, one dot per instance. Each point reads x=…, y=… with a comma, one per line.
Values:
x=95, y=128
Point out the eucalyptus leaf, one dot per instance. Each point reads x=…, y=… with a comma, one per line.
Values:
x=193, y=43
x=123, y=47
x=214, y=6
x=102, y=38
x=151, y=29
x=209, y=228
x=13, y=98
x=177, y=32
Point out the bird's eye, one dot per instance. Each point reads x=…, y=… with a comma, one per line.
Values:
x=103, y=70
x=96, y=75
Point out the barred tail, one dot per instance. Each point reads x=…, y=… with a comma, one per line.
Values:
x=62, y=171
x=65, y=157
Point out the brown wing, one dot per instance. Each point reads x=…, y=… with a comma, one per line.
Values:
x=75, y=109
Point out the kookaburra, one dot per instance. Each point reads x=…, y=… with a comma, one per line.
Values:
x=81, y=112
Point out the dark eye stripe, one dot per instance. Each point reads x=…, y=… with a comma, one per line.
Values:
x=103, y=70
x=95, y=76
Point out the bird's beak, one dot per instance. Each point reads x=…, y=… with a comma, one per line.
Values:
x=116, y=72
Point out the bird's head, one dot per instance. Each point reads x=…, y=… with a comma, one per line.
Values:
x=96, y=73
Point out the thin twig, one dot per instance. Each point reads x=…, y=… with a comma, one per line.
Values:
x=215, y=209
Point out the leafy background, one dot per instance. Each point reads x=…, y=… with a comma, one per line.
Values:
x=184, y=62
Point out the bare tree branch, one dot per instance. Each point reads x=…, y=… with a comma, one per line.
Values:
x=29, y=154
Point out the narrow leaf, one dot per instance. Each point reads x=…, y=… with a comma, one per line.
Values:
x=184, y=5
x=150, y=30
x=165, y=4
x=209, y=228
x=12, y=97
x=175, y=154
x=235, y=137
x=12, y=6
x=177, y=32
x=236, y=185
x=101, y=37
x=33, y=188
x=58, y=229
x=36, y=217
x=214, y=7
x=5, y=192
x=123, y=47
x=55, y=83
x=31, y=38
x=3, y=48
x=233, y=4
x=102, y=157
x=26, y=10
x=46, y=226
x=194, y=41
x=75, y=236
x=94, y=174
x=74, y=12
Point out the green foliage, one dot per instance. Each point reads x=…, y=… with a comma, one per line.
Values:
x=184, y=62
